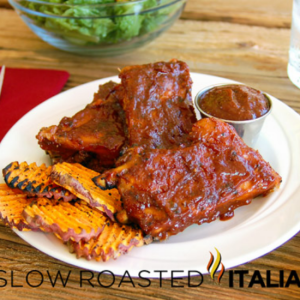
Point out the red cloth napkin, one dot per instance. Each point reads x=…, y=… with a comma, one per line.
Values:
x=23, y=89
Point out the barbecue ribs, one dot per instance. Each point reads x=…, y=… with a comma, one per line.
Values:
x=158, y=104
x=166, y=190
x=93, y=137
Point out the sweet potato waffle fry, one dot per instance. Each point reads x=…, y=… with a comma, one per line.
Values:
x=12, y=204
x=115, y=239
x=89, y=232
x=78, y=180
x=76, y=222
x=34, y=181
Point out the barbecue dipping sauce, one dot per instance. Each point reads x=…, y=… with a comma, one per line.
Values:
x=234, y=102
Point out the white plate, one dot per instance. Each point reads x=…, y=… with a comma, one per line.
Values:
x=255, y=230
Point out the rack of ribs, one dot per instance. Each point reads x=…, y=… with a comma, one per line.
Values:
x=93, y=137
x=166, y=190
x=158, y=104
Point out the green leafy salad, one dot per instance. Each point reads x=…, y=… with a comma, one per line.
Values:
x=88, y=22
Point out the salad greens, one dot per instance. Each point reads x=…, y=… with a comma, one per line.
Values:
x=87, y=22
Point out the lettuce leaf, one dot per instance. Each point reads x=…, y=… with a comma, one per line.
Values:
x=96, y=24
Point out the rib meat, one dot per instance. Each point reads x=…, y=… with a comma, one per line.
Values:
x=94, y=136
x=158, y=104
x=166, y=190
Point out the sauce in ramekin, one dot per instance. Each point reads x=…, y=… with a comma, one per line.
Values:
x=234, y=102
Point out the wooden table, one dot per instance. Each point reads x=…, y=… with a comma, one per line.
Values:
x=246, y=41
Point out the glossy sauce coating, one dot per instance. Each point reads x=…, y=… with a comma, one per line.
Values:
x=234, y=102
x=94, y=136
x=165, y=191
x=158, y=104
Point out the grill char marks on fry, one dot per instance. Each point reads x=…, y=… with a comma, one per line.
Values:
x=34, y=181
x=78, y=180
x=93, y=137
x=158, y=104
x=12, y=204
x=165, y=191
x=76, y=222
x=114, y=240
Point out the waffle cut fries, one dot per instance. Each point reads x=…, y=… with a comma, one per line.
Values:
x=116, y=239
x=34, y=180
x=78, y=180
x=12, y=204
x=68, y=221
x=88, y=232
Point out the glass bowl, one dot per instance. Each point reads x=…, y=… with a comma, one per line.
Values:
x=98, y=27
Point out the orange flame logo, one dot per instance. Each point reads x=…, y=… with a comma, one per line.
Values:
x=215, y=265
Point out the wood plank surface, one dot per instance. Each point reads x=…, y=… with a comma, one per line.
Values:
x=247, y=41
x=265, y=13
